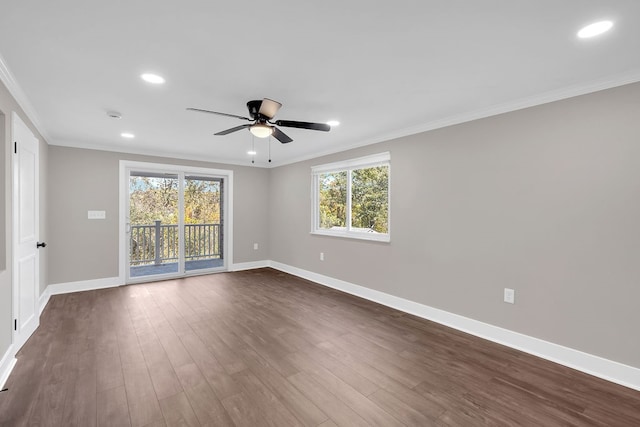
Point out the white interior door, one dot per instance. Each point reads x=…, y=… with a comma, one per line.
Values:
x=25, y=231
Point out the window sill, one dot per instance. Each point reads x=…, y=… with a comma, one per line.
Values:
x=386, y=238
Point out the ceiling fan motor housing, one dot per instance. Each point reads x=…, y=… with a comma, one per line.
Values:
x=254, y=108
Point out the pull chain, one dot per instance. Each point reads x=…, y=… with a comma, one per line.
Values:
x=253, y=149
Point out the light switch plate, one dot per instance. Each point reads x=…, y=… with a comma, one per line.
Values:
x=96, y=214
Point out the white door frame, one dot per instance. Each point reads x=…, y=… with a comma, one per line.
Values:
x=126, y=165
x=24, y=250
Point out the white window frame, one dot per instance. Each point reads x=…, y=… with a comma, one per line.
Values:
x=381, y=159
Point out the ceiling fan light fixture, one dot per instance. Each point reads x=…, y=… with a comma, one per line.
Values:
x=261, y=130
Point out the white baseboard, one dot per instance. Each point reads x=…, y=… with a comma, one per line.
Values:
x=84, y=285
x=8, y=360
x=7, y=363
x=609, y=370
x=44, y=299
x=250, y=265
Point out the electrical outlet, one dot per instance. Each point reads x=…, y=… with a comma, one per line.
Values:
x=321, y=256
x=509, y=296
x=255, y=246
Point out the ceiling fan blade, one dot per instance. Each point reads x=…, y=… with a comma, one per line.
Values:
x=281, y=136
x=304, y=125
x=220, y=114
x=269, y=108
x=228, y=131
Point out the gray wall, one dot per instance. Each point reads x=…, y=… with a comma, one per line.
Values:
x=82, y=180
x=544, y=200
x=7, y=105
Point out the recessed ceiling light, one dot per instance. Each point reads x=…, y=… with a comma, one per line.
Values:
x=152, y=78
x=127, y=135
x=595, y=29
x=333, y=123
x=251, y=153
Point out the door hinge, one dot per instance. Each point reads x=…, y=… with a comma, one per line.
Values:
x=15, y=324
x=15, y=147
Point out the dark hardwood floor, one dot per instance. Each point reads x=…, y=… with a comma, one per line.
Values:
x=263, y=348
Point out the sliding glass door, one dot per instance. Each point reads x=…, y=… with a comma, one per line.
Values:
x=174, y=223
x=203, y=223
x=154, y=238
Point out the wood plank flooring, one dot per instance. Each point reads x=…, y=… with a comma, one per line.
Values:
x=263, y=348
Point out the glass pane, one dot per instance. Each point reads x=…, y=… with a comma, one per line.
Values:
x=370, y=200
x=153, y=215
x=333, y=200
x=203, y=223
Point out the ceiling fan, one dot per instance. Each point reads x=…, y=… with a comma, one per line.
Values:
x=261, y=114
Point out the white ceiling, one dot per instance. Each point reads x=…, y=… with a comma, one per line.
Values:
x=384, y=69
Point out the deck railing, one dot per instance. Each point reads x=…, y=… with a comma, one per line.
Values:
x=159, y=243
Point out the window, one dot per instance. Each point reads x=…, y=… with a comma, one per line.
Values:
x=351, y=198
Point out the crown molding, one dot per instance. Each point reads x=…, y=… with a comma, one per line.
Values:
x=489, y=111
x=629, y=77
x=18, y=94
x=153, y=153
